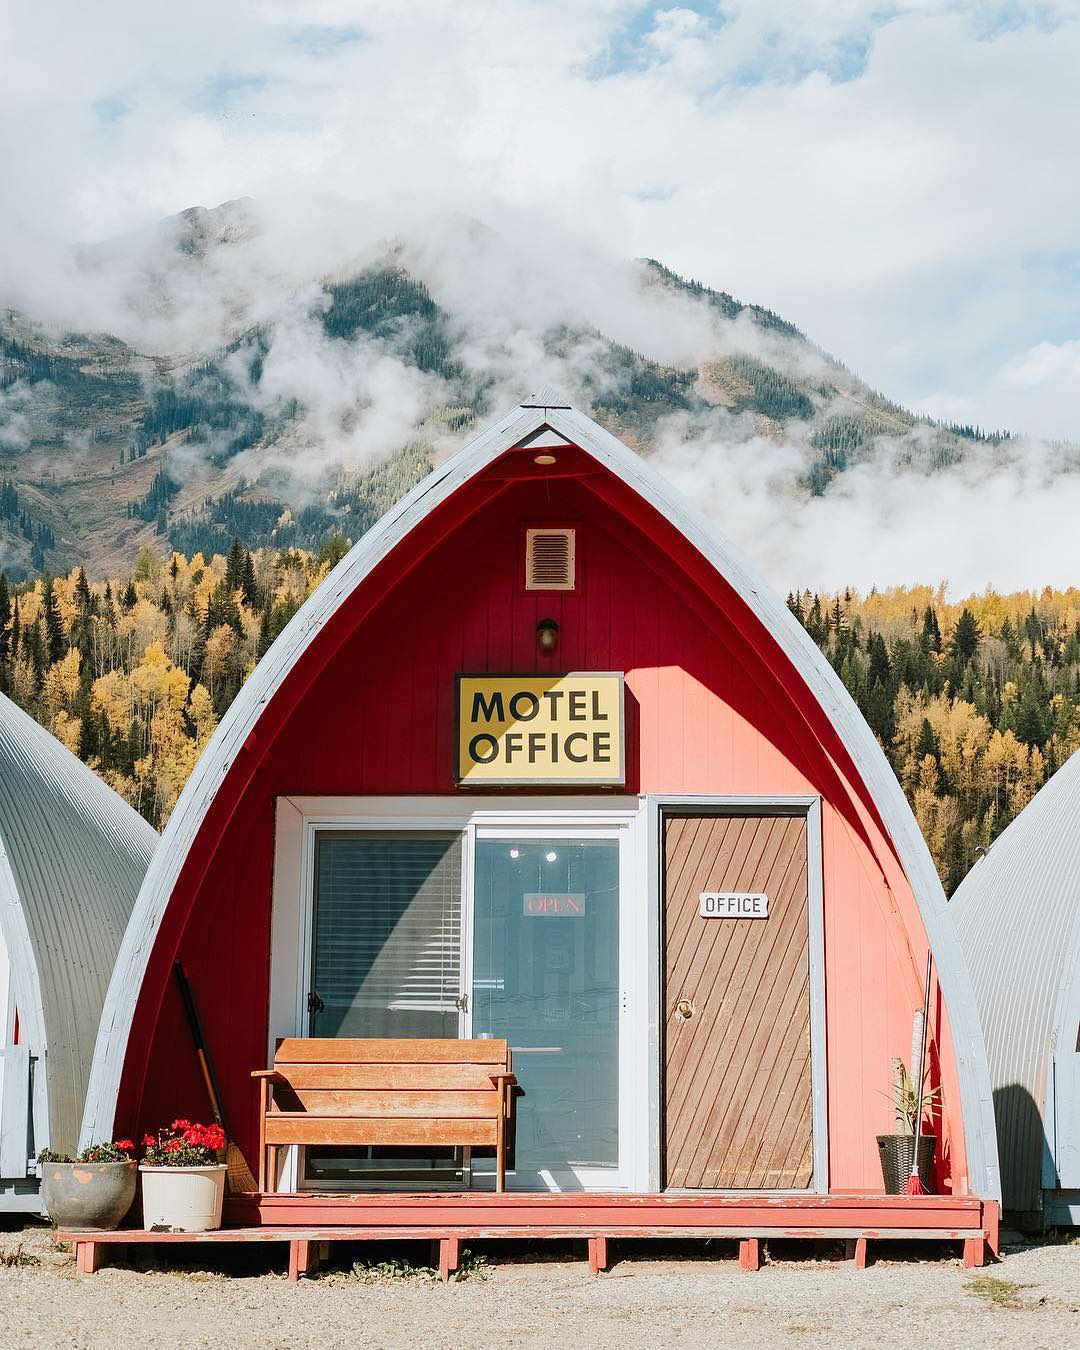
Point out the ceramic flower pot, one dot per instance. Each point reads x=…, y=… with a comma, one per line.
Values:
x=182, y=1199
x=84, y=1196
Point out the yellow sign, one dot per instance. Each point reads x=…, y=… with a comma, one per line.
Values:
x=524, y=730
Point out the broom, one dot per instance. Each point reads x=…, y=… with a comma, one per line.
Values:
x=913, y=1185
x=239, y=1176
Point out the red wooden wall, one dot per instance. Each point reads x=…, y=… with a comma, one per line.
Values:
x=713, y=707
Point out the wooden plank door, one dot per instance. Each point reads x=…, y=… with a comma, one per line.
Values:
x=737, y=1088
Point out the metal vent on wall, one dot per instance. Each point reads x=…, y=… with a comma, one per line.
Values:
x=549, y=560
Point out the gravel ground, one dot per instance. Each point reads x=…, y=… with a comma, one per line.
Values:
x=220, y=1300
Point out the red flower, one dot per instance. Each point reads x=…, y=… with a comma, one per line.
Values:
x=125, y=1146
x=204, y=1136
x=208, y=1136
x=148, y=1141
x=180, y=1125
x=173, y=1145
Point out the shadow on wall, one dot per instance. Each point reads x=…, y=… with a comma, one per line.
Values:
x=1023, y=1153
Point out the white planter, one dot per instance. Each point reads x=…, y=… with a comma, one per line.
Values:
x=182, y=1199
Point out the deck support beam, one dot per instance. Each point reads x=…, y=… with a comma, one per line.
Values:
x=992, y=1225
x=303, y=1257
x=88, y=1257
x=974, y=1252
x=749, y=1254
x=598, y=1258
x=449, y=1257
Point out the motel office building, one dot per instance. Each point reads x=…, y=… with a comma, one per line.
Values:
x=542, y=760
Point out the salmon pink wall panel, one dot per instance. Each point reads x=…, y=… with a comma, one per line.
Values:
x=874, y=985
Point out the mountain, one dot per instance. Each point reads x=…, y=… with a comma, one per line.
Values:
x=246, y=387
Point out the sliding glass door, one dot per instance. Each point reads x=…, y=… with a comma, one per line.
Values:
x=546, y=976
x=505, y=931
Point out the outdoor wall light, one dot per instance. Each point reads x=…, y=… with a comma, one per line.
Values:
x=547, y=636
x=545, y=460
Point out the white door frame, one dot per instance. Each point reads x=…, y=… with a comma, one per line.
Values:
x=300, y=819
x=808, y=808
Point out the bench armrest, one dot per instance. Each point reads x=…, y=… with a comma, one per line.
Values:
x=508, y=1078
x=272, y=1075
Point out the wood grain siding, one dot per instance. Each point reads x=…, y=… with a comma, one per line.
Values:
x=738, y=1101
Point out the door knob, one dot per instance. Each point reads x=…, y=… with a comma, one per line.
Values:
x=684, y=1009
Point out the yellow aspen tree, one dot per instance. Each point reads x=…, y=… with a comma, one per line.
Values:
x=202, y=715
x=936, y=814
x=23, y=684
x=60, y=687
x=219, y=648
x=67, y=730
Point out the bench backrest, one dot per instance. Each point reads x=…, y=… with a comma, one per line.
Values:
x=410, y=1077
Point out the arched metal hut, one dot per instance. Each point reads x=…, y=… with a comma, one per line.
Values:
x=1018, y=915
x=73, y=854
x=542, y=759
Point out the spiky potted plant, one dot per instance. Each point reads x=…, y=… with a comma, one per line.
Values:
x=91, y=1191
x=183, y=1178
x=897, y=1151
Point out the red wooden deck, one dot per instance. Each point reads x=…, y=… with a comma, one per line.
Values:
x=308, y=1221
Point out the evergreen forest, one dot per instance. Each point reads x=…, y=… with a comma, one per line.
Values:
x=975, y=702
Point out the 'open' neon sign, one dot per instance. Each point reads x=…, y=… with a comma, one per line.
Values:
x=551, y=905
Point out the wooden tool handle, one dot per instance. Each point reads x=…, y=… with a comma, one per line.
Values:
x=200, y=1045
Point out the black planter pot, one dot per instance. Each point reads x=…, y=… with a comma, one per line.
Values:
x=897, y=1152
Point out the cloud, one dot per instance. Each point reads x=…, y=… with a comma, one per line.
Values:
x=358, y=401
x=16, y=424
x=1005, y=515
x=893, y=177
x=896, y=178
x=1038, y=389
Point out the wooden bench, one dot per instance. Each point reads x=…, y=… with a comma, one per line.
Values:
x=402, y=1093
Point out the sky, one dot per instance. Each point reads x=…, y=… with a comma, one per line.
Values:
x=898, y=179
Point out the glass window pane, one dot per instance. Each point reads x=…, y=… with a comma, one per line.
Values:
x=386, y=961
x=546, y=976
x=387, y=950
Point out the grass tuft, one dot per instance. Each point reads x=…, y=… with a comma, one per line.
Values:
x=472, y=1267
x=382, y=1272
x=15, y=1256
x=1001, y=1293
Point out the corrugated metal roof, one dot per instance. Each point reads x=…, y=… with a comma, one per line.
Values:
x=770, y=609
x=1017, y=912
x=74, y=853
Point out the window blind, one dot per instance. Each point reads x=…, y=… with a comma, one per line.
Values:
x=387, y=935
